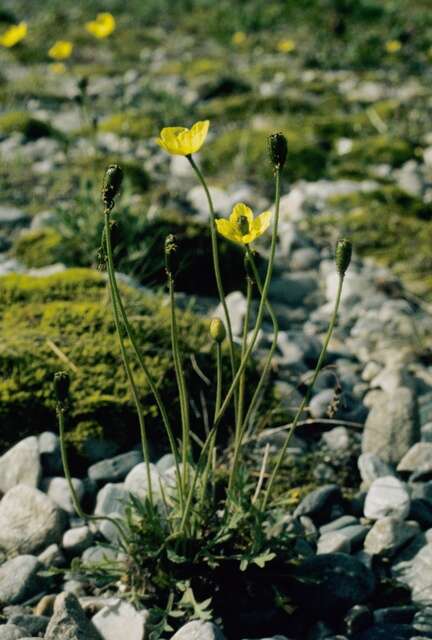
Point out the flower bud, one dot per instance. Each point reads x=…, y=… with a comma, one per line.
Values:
x=278, y=149
x=217, y=330
x=61, y=386
x=170, y=255
x=343, y=255
x=111, y=186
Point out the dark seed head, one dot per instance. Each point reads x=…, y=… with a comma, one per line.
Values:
x=61, y=386
x=278, y=149
x=111, y=185
x=343, y=255
x=171, y=255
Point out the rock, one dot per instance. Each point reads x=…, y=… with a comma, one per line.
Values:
x=321, y=402
x=49, y=449
x=355, y=534
x=19, y=579
x=45, y=606
x=423, y=621
x=97, y=554
x=58, y=490
x=388, y=535
x=387, y=496
x=198, y=630
x=337, y=439
x=357, y=619
x=372, y=467
x=418, y=577
x=33, y=625
x=392, y=425
x=29, y=520
x=52, y=556
x=304, y=259
x=21, y=465
x=111, y=500
x=120, y=619
x=115, y=469
x=333, y=581
x=319, y=503
x=136, y=481
x=69, y=621
x=418, y=457
x=339, y=523
x=166, y=462
x=292, y=289
x=236, y=303
x=76, y=540
x=198, y=200
x=11, y=632
x=333, y=542
x=386, y=632
x=398, y=615
x=421, y=512
x=11, y=217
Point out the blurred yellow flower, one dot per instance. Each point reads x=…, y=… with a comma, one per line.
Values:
x=393, y=46
x=58, y=67
x=13, y=35
x=241, y=226
x=239, y=38
x=181, y=141
x=61, y=50
x=286, y=45
x=103, y=26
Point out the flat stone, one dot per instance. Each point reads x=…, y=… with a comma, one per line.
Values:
x=69, y=621
x=388, y=535
x=52, y=556
x=292, y=289
x=319, y=503
x=49, y=449
x=115, y=469
x=392, y=425
x=387, y=496
x=21, y=465
x=33, y=625
x=111, y=499
x=19, y=579
x=236, y=304
x=339, y=523
x=120, y=619
x=76, y=540
x=418, y=457
x=333, y=542
x=199, y=630
x=136, y=481
x=418, y=577
x=29, y=520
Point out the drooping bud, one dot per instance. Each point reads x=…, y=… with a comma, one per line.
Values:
x=343, y=255
x=61, y=386
x=217, y=330
x=278, y=149
x=170, y=255
x=111, y=185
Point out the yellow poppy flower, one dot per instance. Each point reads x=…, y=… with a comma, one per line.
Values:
x=61, y=50
x=103, y=26
x=13, y=35
x=241, y=226
x=239, y=38
x=180, y=141
x=393, y=46
x=286, y=45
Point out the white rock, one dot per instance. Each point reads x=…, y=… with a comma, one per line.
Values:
x=198, y=630
x=418, y=457
x=120, y=620
x=387, y=496
x=388, y=535
x=58, y=490
x=21, y=465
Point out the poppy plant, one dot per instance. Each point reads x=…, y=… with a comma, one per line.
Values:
x=241, y=226
x=181, y=141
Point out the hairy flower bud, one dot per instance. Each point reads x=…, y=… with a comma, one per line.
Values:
x=278, y=149
x=111, y=185
x=217, y=330
x=343, y=255
x=170, y=255
x=61, y=386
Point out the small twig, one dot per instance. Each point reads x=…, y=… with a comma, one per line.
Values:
x=62, y=356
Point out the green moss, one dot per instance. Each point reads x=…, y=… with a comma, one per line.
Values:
x=22, y=122
x=38, y=247
x=65, y=321
x=129, y=123
x=378, y=149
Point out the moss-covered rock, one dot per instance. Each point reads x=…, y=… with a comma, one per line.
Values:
x=38, y=247
x=64, y=321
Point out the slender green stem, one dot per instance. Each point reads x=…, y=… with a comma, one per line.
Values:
x=217, y=271
x=307, y=396
x=261, y=308
x=181, y=384
x=242, y=381
x=153, y=388
x=218, y=377
x=266, y=369
x=130, y=377
x=68, y=476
